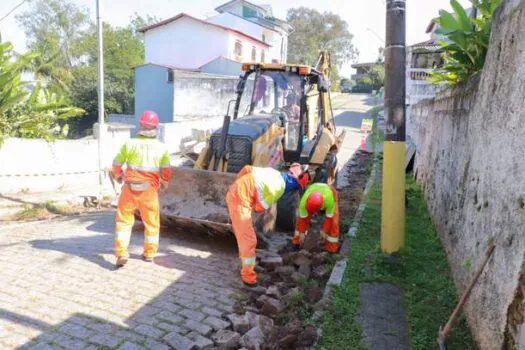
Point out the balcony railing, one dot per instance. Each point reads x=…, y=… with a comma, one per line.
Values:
x=418, y=85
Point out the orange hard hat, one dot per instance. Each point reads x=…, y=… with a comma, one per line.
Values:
x=314, y=202
x=149, y=119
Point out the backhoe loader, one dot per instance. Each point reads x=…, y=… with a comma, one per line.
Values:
x=282, y=114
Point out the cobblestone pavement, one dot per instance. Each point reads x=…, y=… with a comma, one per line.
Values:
x=59, y=288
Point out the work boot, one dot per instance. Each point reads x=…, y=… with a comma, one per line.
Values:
x=254, y=288
x=292, y=248
x=121, y=261
x=147, y=258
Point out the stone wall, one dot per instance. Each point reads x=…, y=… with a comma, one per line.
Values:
x=470, y=160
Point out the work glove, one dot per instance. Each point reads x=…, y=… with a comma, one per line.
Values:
x=119, y=180
x=163, y=186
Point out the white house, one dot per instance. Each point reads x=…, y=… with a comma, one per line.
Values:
x=187, y=42
x=257, y=21
x=240, y=32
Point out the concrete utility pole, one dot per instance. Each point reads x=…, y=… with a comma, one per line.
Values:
x=393, y=203
x=100, y=98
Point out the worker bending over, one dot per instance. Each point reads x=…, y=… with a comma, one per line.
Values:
x=256, y=190
x=148, y=168
x=319, y=197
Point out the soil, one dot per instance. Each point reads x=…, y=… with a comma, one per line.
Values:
x=303, y=275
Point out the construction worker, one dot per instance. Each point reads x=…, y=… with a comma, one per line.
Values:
x=256, y=190
x=319, y=197
x=148, y=168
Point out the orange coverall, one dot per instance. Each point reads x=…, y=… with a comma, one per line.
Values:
x=330, y=230
x=147, y=166
x=254, y=190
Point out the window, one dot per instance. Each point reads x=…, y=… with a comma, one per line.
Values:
x=170, y=76
x=264, y=38
x=237, y=51
x=262, y=56
x=254, y=53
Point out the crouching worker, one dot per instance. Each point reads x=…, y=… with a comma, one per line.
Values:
x=148, y=168
x=256, y=190
x=319, y=197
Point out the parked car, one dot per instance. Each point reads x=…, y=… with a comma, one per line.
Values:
x=363, y=88
x=346, y=89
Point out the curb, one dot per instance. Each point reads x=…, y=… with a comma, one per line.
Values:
x=336, y=277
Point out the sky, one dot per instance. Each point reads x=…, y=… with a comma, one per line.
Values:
x=365, y=18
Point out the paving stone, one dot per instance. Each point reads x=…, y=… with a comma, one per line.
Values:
x=155, y=345
x=167, y=306
x=102, y=327
x=226, y=339
x=198, y=327
x=105, y=339
x=200, y=341
x=179, y=342
x=42, y=346
x=134, y=337
x=240, y=323
x=212, y=311
x=170, y=327
x=253, y=339
x=69, y=343
x=170, y=317
x=131, y=346
x=193, y=315
x=76, y=330
x=149, y=331
x=216, y=323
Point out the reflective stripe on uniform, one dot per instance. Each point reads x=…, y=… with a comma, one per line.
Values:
x=151, y=239
x=248, y=261
x=329, y=215
x=144, y=168
x=117, y=163
x=332, y=239
x=122, y=235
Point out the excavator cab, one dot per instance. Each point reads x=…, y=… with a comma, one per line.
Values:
x=282, y=114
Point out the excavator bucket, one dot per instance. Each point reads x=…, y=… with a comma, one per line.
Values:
x=195, y=202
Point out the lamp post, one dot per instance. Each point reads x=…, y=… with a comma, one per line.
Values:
x=393, y=202
x=100, y=98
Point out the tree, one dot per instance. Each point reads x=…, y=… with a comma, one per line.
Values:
x=467, y=41
x=375, y=77
x=315, y=31
x=52, y=28
x=28, y=111
x=123, y=50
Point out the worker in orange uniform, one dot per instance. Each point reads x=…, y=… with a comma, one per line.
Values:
x=148, y=168
x=256, y=190
x=319, y=197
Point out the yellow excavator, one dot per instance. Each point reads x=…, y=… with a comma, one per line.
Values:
x=282, y=114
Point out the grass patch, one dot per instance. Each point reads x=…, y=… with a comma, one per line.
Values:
x=421, y=270
x=44, y=210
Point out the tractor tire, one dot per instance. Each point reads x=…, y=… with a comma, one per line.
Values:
x=322, y=173
x=286, y=211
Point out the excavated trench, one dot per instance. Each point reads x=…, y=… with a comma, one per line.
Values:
x=280, y=316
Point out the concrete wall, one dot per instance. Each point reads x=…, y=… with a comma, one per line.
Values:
x=469, y=159
x=185, y=43
x=153, y=92
x=38, y=165
x=199, y=95
x=223, y=66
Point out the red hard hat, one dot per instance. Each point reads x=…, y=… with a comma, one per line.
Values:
x=149, y=119
x=314, y=202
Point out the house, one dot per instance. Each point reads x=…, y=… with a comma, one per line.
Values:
x=240, y=32
x=257, y=21
x=362, y=69
x=187, y=42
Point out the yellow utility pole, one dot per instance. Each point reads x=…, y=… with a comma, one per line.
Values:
x=393, y=202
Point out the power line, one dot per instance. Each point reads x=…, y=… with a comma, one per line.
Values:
x=13, y=10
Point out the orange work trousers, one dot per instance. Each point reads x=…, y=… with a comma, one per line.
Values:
x=147, y=202
x=329, y=232
x=242, y=201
